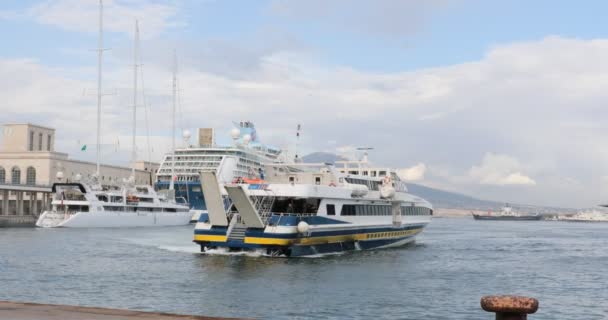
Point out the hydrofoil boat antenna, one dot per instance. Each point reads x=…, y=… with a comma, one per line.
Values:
x=299, y=128
x=365, y=153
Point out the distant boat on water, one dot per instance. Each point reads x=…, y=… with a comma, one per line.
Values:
x=507, y=214
x=586, y=216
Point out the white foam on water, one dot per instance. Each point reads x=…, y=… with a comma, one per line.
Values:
x=226, y=252
x=184, y=249
x=323, y=255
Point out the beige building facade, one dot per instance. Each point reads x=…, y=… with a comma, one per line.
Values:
x=28, y=157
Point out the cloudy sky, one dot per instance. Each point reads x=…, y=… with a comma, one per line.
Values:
x=502, y=100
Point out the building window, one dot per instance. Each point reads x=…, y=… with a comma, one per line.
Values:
x=30, y=176
x=31, y=142
x=16, y=175
x=40, y=142
x=2, y=175
x=48, y=143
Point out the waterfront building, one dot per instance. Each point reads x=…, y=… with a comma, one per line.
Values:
x=29, y=165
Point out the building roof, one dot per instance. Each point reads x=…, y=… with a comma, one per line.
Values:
x=28, y=124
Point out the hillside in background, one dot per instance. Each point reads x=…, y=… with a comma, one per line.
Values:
x=322, y=157
x=447, y=199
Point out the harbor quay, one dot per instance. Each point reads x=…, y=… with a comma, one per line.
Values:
x=35, y=311
x=505, y=307
x=29, y=165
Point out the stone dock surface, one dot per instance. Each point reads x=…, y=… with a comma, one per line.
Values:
x=35, y=311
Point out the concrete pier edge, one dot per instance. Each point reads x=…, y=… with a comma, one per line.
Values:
x=39, y=311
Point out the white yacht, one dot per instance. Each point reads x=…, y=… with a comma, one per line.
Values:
x=244, y=159
x=586, y=216
x=87, y=205
x=308, y=209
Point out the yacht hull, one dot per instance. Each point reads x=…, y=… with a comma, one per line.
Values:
x=508, y=218
x=108, y=219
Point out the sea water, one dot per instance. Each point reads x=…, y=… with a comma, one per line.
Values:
x=442, y=276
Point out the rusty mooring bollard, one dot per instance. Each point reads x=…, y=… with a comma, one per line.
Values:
x=509, y=307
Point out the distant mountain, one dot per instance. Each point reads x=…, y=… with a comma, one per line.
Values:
x=322, y=157
x=446, y=199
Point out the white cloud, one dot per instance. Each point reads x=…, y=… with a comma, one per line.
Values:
x=517, y=179
x=119, y=15
x=415, y=173
x=538, y=104
x=499, y=170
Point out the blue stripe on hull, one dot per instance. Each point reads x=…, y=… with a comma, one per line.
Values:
x=298, y=251
x=260, y=232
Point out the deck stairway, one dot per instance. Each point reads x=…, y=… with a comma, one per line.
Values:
x=263, y=205
x=237, y=233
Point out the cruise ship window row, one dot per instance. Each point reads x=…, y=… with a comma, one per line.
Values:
x=191, y=164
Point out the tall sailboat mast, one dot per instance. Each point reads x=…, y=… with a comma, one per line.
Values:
x=99, y=93
x=171, y=184
x=135, y=52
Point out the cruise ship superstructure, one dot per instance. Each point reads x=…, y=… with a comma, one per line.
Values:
x=243, y=159
x=308, y=209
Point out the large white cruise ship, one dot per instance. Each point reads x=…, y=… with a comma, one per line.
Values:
x=244, y=159
x=308, y=209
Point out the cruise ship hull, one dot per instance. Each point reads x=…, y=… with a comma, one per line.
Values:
x=108, y=219
x=508, y=218
x=321, y=239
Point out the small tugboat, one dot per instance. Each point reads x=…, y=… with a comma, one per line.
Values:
x=308, y=209
x=507, y=214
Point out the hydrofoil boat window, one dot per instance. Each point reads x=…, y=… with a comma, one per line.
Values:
x=296, y=206
x=331, y=209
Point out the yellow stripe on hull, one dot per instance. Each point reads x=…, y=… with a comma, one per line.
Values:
x=210, y=238
x=269, y=241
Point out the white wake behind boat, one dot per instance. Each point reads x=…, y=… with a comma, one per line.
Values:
x=81, y=205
